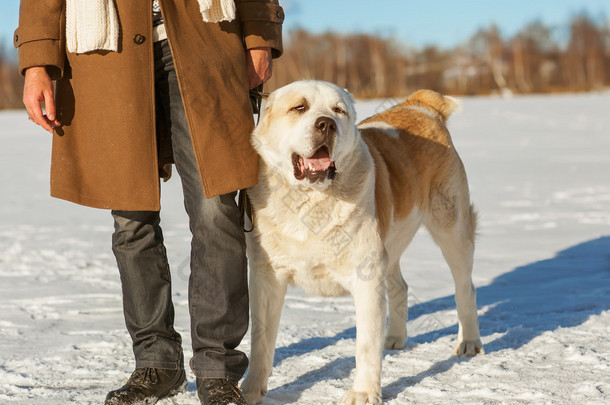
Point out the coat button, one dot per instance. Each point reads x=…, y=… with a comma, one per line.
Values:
x=139, y=39
x=280, y=15
x=16, y=38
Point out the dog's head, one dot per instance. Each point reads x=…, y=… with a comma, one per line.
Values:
x=306, y=130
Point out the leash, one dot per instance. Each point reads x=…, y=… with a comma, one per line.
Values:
x=257, y=95
x=245, y=209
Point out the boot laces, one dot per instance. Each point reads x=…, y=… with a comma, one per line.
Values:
x=144, y=377
x=223, y=390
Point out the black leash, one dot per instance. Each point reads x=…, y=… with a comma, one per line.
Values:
x=245, y=209
x=257, y=95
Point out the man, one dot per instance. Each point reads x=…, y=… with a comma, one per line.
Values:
x=132, y=95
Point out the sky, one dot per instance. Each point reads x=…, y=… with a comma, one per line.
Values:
x=444, y=23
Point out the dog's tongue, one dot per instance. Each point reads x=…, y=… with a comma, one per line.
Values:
x=320, y=161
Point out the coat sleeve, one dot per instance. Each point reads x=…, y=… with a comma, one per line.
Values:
x=40, y=36
x=261, y=22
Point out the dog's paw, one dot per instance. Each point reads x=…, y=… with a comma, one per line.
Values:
x=394, y=343
x=352, y=397
x=254, y=397
x=253, y=394
x=469, y=348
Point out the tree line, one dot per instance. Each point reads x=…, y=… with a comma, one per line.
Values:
x=11, y=82
x=538, y=59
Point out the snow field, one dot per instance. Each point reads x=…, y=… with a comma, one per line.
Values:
x=538, y=170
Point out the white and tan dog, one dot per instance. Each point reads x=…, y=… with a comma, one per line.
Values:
x=337, y=205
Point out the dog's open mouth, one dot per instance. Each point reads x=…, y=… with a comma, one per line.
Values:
x=315, y=168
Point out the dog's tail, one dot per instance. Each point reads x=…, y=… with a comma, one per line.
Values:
x=431, y=100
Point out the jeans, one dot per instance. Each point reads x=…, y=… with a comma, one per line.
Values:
x=218, y=290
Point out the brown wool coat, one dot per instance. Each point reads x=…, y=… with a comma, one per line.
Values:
x=105, y=154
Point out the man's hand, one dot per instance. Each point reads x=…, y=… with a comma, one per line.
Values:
x=259, y=65
x=38, y=88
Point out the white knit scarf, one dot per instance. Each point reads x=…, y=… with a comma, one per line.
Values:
x=93, y=25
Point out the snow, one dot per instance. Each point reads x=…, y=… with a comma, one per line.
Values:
x=539, y=174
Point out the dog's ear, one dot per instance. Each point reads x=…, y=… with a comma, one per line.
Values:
x=350, y=95
x=351, y=101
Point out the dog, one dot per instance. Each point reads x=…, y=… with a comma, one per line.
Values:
x=336, y=206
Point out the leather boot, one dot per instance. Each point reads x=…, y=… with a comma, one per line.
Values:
x=219, y=391
x=147, y=386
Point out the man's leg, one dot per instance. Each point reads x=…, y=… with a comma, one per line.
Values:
x=218, y=290
x=137, y=244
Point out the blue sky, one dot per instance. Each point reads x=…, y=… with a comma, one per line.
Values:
x=434, y=22
x=440, y=22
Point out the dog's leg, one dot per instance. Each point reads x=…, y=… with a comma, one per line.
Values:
x=369, y=291
x=456, y=241
x=398, y=309
x=266, y=301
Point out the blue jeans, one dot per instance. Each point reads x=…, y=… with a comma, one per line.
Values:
x=218, y=290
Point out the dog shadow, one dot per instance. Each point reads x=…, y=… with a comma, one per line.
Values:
x=560, y=292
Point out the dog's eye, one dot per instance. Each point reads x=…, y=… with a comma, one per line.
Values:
x=300, y=108
x=339, y=110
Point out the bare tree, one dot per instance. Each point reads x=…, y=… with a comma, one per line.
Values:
x=585, y=56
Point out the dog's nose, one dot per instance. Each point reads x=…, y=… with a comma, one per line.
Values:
x=326, y=125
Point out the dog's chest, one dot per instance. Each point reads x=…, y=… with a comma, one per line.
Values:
x=320, y=280
x=299, y=217
x=310, y=264
x=308, y=246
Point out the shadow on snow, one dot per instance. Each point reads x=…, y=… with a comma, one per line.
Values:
x=560, y=292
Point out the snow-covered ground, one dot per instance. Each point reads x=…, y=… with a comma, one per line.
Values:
x=539, y=170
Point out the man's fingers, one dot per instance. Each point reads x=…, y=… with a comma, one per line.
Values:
x=254, y=81
x=49, y=104
x=38, y=88
x=257, y=78
x=259, y=65
x=42, y=120
x=35, y=114
x=32, y=105
x=32, y=100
